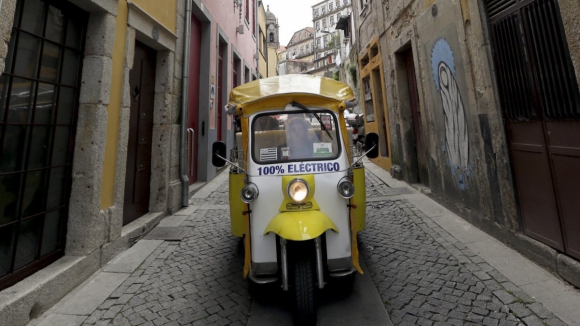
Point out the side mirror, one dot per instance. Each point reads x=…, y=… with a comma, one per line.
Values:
x=218, y=148
x=372, y=145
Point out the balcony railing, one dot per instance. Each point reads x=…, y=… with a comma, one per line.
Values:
x=303, y=54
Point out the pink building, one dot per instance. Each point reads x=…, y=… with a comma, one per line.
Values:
x=222, y=56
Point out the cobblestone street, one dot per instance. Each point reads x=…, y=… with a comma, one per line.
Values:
x=426, y=277
x=423, y=274
x=195, y=282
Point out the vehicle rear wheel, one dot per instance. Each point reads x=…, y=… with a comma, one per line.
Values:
x=304, y=290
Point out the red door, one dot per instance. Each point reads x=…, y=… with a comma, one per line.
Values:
x=541, y=103
x=142, y=86
x=193, y=105
x=220, y=89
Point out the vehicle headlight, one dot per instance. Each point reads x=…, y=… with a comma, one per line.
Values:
x=249, y=193
x=345, y=188
x=298, y=190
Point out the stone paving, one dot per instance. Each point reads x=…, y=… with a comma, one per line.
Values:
x=197, y=281
x=424, y=275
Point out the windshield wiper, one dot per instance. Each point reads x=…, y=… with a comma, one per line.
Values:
x=296, y=104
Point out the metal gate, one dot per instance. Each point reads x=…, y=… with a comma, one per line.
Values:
x=541, y=104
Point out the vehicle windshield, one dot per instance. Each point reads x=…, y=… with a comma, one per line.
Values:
x=295, y=136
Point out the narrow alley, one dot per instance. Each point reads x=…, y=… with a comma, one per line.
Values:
x=425, y=264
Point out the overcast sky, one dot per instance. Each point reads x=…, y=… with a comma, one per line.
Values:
x=292, y=15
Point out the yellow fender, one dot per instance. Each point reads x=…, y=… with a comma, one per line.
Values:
x=300, y=226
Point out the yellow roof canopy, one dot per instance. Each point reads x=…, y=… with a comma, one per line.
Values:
x=278, y=91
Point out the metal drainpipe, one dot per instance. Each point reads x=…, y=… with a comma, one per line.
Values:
x=184, y=106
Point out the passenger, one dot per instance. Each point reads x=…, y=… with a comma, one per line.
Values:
x=299, y=140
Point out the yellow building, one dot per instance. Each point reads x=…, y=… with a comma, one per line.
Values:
x=117, y=136
x=269, y=42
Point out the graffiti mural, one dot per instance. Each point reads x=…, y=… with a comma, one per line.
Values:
x=456, y=134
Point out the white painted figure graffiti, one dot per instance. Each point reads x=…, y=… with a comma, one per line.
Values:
x=456, y=136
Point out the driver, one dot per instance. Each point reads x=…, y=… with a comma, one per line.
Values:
x=299, y=140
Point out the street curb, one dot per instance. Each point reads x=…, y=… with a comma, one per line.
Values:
x=560, y=265
x=37, y=294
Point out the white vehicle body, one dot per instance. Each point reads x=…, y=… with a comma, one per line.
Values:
x=327, y=174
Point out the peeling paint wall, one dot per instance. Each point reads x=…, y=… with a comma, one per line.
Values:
x=464, y=158
x=570, y=11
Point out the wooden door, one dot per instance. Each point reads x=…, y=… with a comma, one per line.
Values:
x=193, y=105
x=422, y=174
x=541, y=103
x=138, y=176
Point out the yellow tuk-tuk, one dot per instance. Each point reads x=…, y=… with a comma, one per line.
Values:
x=296, y=191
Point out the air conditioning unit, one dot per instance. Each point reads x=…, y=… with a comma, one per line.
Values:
x=240, y=29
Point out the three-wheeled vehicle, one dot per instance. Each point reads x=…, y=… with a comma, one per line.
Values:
x=296, y=193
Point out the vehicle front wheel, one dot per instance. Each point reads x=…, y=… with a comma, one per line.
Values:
x=304, y=290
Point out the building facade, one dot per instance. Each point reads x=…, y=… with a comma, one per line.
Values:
x=479, y=105
x=347, y=59
x=108, y=110
x=222, y=56
x=281, y=52
x=89, y=120
x=327, y=39
x=273, y=43
x=300, y=52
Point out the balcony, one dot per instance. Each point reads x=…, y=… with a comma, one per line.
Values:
x=300, y=55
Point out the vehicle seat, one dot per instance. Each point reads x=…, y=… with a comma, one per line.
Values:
x=268, y=139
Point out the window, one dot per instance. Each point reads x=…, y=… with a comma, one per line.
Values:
x=363, y=4
x=331, y=20
x=337, y=3
x=315, y=12
x=248, y=10
x=323, y=10
x=337, y=17
x=307, y=48
x=263, y=47
x=330, y=6
x=368, y=100
x=301, y=50
x=346, y=2
x=271, y=37
x=318, y=43
x=318, y=25
x=235, y=67
x=38, y=107
x=324, y=40
x=294, y=137
x=324, y=23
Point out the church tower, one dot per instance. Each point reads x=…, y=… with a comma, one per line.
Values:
x=272, y=30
